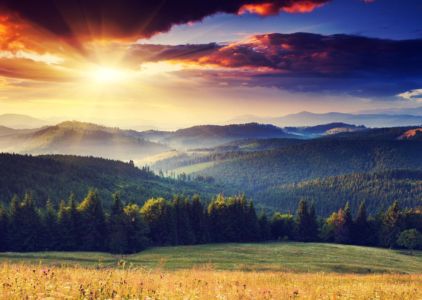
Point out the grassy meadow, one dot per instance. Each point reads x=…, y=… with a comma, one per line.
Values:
x=277, y=257
x=218, y=271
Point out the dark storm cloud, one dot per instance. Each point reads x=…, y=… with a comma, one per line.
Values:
x=137, y=18
x=305, y=62
x=311, y=54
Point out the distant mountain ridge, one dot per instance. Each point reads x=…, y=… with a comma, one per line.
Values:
x=312, y=119
x=203, y=136
x=77, y=138
x=19, y=121
x=324, y=129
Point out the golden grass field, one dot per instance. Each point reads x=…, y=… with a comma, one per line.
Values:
x=25, y=281
x=216, y=271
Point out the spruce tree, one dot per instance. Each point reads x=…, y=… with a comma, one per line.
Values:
x=94, y=233
x=118, y=227
x=66, y=239
x=252, y=225
x=391, y=225
x=313, y=224
x=303, y=222
x=184, y=231
x=264, y=227
x=50, y=228
x=344, y=225
x=360, y=229
x=25, y=225
x=4, y=228
x=159, y=216
x=136, y=229
x=76, y=229
x=198, y=220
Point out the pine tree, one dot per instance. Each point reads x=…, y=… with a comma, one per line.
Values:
x=14, y=215
x=360, y=229
x=159, y=216
x=303, y=222
x=118, y=227
x=94, y=233
x=4, y=224
x=136, y=229
x=50, y=228
x=25, y=225
x=76, y=229
x=344, y=225
x=184, y=231
x=313, y=224
x=198, y=220
x=391, y=225
x=264, y=227
x=65, y=228
x=252, y=225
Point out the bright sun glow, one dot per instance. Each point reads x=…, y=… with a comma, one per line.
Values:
x=107, y=75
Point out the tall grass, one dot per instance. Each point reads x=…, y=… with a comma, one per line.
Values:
x=26, y=281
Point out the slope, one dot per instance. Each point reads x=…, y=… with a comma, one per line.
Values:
x=57, y=176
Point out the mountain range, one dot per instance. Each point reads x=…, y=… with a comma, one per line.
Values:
x=273, y=165
x=312, y=119
x=78, y=138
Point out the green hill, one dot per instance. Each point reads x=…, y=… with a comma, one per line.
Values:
x=56, y=176
x=257, y=172
x=378, y=190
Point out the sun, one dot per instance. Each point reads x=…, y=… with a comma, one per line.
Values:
x=107, y=74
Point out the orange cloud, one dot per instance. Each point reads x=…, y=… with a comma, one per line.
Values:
x=302, y=7
x=274, y=8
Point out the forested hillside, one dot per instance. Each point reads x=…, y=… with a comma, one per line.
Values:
x=313, y=159
x=260, y=173
x=378, y=190
x=55, y=177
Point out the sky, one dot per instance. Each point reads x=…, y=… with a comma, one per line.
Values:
x=171, y=64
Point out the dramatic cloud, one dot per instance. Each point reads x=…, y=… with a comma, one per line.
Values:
x=311, y=54
x=274, y=8
x=300, y=62
x=304, y=62
x=95, y=19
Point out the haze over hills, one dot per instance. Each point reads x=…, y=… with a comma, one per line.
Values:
x=19, y=121
x=78, y=138
x=253, y=158
x=324, y=129
x=213, y=135
x=81, y=139
x=312, y=119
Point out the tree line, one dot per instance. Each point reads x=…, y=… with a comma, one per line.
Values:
x=129, y=228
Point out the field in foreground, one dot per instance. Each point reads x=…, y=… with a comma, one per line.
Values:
x=21, y=281
x=276, y=257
